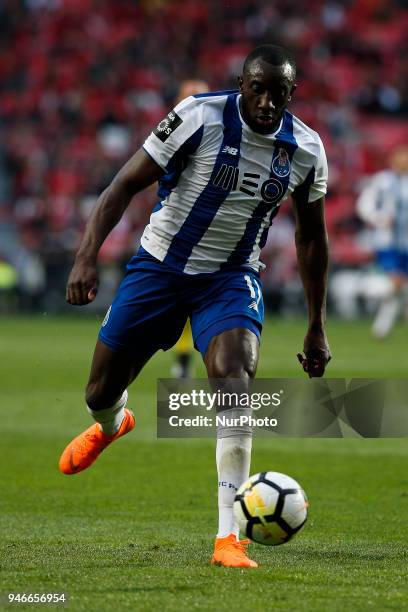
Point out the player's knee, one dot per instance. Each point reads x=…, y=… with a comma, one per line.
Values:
x=226, y=370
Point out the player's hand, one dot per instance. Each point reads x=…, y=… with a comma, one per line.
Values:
x=82, y=285
x=316, y=353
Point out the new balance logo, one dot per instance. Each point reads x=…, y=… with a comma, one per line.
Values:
x=230, y=150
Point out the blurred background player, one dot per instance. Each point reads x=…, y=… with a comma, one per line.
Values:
x=183, y=350
x=383, y=205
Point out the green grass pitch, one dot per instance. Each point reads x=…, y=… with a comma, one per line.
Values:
x=135, y=532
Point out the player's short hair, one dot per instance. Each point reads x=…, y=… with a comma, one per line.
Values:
x=272, y=54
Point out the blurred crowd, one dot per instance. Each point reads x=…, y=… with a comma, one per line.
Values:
x=83, y=81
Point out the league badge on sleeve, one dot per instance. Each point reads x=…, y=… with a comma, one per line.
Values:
x=167, y=126
x=281, y=163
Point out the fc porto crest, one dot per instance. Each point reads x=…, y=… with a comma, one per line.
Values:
x=281, y=163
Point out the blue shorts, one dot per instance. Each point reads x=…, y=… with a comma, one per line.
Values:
x=393, y=260
x=154, y=301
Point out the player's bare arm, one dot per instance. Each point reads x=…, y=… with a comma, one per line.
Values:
x=313, y=257
x=139, y=172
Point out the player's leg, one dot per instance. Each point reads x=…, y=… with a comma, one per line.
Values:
x=388, y=311
x=111, y=373
x=106, y=398
x=391, y=305
x=232, y=358
x=226, y=321
x=144, y=317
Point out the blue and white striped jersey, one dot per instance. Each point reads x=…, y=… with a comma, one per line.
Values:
x=383, y=204
x=224, y=183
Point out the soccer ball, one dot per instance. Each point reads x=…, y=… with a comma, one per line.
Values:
x=270, y=508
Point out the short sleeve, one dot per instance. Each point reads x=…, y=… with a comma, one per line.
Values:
x=318, y=188
x=173, y=132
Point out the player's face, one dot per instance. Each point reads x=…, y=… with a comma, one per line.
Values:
x=399, y=160
x=266, y=91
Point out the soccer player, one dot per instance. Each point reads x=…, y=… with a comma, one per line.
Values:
x=225, y=162
x=383, y=205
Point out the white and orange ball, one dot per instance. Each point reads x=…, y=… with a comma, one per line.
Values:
x=270, y=508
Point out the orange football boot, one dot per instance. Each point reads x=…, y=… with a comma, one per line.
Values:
x=83, y=450
x=230, y=552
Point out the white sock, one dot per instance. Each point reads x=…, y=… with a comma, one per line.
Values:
x=387, y=315
x=233, y=461
x=111, y=418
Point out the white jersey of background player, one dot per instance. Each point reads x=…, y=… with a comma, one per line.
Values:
x=383, y=205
